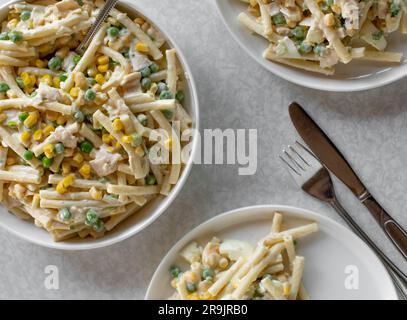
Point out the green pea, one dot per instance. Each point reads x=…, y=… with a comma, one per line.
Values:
x=91, y=81
x=4, y=36
x=28, y=155
x=394, y=8
x=191, y=287
x=161, y=86
x=113, y=31
x=64, y=214
x=46, y=162
x=86, y=146
x=146, y=72
x=63, y=77
x=151, y=180
x=59, y=148
x=142, y=118
x=12, y=124
x=22, y=116
x=175, y=271
x=298, y=33
x=304, y=48
x=25, y=15
x=4, y=87
x=154, y=67
x=15, y=36
x=168, y=114
x=79, y=116
x=137, y=139
x=20, y=82
x=180, y=96
x=146, y=83
x=208, y=273
x=91, y=217
x=54, y=63
x=319, y=49
x=165, y=95
x=76, y=58
x=279, y=19
x=99, y=226
x=80, y=2
x=90, y=95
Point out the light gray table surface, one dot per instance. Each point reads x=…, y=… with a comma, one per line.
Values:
x=234, y=92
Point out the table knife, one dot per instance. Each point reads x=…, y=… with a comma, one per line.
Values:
x=331, y=157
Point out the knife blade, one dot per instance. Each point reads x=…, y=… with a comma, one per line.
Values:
x=332, y=158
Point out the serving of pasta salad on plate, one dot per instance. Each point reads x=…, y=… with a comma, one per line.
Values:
x=86, y=140
x=316, y=35
x=231, y=269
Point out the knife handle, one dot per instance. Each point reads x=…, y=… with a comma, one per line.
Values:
x=392, y=229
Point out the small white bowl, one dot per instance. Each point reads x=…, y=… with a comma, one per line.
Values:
x=149, y=213
x=355, y=76
x=332, y=255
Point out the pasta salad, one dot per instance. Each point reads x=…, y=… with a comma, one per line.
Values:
x=233, y=269
x=316, y=35
x=86, y=140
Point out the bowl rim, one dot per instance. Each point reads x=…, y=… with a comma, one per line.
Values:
x=165, y=202
x=331, y=85
x=310, y=214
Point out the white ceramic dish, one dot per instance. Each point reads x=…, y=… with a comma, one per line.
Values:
x=140, y=220
x=355, y=76
x=327, y=253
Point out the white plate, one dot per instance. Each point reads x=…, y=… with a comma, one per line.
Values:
x=138, y=221
x=355, y=76
x=327, y=253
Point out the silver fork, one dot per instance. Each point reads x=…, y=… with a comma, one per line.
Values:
x=103, y=14
x=313, y=178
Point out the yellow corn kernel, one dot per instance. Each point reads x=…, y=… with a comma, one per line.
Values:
x=10, y=161
x=99, y=78
x=25, y=136
x=117, y=145
x=61, y=120
x=33, y=80
x=60, y=188
x=31, y=120
x=48, y=129
x=96, y=194
x=126, y=139
x=37, y=136
x=29, y=90
x=3, y=117
x=117, y=125
x=92, y=71
x=26, y=79
x=97, y=87
x=335, y=8
x=74, y=92
x=56, y=82
x=44, y=48
x=193, y=296
x=103, y=60
x=286, y=288
x=52, y=115
x=103, y=68
x=40, y=63
x=174, y=283
x=49, y=150
x=78, y=158
x=329, y=20
x=68, y=181
x=66, y=168
x=12, y=23
x=110, y=149
x=47, y=78
x=30, y=24
x=106, y=138
x=142, y=47
x=85, y=171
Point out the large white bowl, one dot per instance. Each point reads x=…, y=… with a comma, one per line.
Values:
x=357, y=75
x=329, y=254
x=138, y=221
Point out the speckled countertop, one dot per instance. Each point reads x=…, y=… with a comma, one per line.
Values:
x=234, y=92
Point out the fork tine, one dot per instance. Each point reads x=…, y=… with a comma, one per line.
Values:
x=292, y=159
x=289, y=165
x=298, y=154
x=308, y=155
